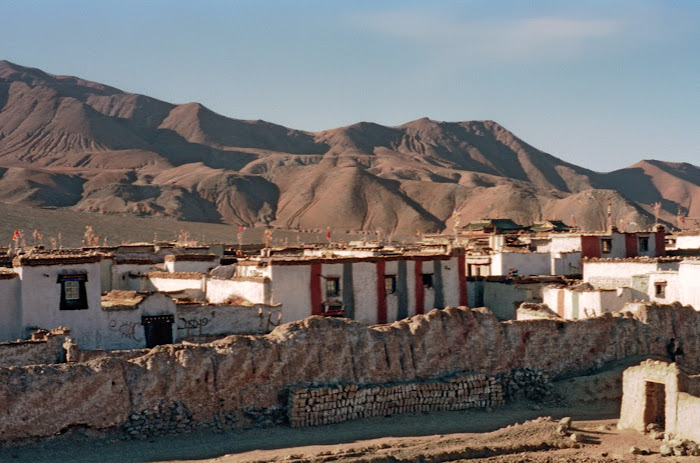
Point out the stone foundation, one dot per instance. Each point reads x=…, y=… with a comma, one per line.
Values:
x=327, y=405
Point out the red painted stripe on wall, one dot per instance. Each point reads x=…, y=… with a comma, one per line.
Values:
x=631, y=245
x=315, y=290
x=420, y=290
x=381, y=293
x=462, y=275
x=660, y=243
x=590, y=246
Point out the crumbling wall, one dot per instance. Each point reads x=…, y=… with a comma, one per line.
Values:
x=46, y=349
x=226, y=376
x=681, y=410
x=635, y=381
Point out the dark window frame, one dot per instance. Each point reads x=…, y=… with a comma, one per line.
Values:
x=81, y=303
x=332, y=287
x=389, y=284
x=606, y=245
x=660, y=289
x=428, y=280
x=643, y=243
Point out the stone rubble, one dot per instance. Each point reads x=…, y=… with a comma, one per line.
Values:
x=679, y=448
x=527, y=383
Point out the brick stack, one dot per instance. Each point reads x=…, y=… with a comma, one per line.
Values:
x=327, y=405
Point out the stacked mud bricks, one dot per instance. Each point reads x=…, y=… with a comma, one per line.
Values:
x=327, y=405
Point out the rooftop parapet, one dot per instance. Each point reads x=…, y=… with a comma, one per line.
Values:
x=40, y=260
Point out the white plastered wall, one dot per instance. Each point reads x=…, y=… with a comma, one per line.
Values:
x=41, y=300
x=671, y=281
x=619, y=273
x=450, y=280
x=122, y=329
x=566, y=263
x=289, y=285
x=219, y=290
x=689, y=281
x=526, y=263
x=128, y=276
x=688, y=242
x=172, y=284
x=190, y=266
x=365, y=291
x=392, y=300
x=222, y=319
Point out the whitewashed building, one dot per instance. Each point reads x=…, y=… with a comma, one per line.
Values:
x=57, y=290
x=370, y=289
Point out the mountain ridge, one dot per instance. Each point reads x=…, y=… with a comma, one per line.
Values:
x=68, y=142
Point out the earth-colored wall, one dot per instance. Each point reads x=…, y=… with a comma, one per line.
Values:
x=240, y=372
x=33, y=352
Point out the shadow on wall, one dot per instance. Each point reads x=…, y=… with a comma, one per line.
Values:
x=245, y=372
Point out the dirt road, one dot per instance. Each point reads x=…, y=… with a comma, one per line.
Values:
x=90, y=446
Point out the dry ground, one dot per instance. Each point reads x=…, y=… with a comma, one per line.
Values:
x=434, y=437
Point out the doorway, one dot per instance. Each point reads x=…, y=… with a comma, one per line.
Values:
x=655, y=404
x=158, y=330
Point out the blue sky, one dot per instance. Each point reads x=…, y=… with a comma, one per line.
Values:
x=601, y=84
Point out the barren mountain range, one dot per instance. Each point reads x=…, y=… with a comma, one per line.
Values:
x=70, y=143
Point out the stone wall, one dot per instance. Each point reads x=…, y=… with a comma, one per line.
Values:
x=335, y=404
x=223, y=378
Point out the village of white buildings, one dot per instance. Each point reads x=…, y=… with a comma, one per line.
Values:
x=559, y=301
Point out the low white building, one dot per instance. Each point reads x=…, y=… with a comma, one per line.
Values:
x=186, y=263
x=127, y=272
x=503, y=295
x=662, y=279
x=48, y=290
x=682, y=285
x=523, y=262
x=584, y=301
x=616, y=273
x=58, y=290
x=133, y=320
x=369, y=289
x=688, y=240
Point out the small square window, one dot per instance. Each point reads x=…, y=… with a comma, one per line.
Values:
x=660, y=289
x=332, y=287
x=606, y=245
x=390, y=284
x=428, y=280
x=643, y=244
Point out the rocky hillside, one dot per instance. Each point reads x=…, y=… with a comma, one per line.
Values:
x=69, y=143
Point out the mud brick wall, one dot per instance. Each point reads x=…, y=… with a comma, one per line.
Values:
x=240, y=372
x=327, y=405
x=47, y=350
